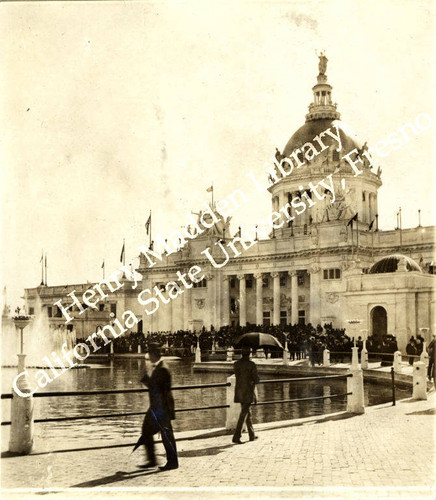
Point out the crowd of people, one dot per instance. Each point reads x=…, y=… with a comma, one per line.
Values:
x=301, y=340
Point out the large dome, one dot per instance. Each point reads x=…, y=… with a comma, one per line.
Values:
x=390, y=264
x=312, y=128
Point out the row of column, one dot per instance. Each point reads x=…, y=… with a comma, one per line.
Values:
x=369, y=206
x=216, y=309
x=259, y=298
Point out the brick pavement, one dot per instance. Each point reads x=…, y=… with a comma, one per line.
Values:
x=388, y=451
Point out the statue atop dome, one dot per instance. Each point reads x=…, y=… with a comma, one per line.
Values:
x=322, y=66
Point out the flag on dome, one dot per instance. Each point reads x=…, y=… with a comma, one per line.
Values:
x=122, y=253
x=148, y=224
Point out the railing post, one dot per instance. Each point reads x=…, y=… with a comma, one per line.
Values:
x=285, y=357
x=424, y=355
x=397, y=362
x=139, y=349
x=326, y=357
x=419, y=381
x=355, y=400
x=232, y=413
x=198, y=353
x=229, y=354
x=393, y=385
x=21, y=434
x=354, y=358
x=364, y=357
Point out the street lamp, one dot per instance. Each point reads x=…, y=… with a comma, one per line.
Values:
x=21, y=322
x=21, y=433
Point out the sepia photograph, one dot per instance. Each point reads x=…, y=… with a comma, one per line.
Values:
x=218, y=249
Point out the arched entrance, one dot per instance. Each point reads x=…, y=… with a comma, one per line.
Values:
x=379, y=321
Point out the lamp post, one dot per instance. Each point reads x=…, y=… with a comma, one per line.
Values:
x=21, y=322
x=354, y=350
x=21, y=434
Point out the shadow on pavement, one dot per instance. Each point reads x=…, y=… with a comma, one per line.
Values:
x=202, y=435
x=114, y=478
x=203, y=452
x=291, y=423
x=430, y=411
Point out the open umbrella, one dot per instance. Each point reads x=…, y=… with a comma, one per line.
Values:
x=258, y=339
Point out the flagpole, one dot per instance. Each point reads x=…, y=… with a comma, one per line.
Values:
x=401, y=230
x=42, y=267
x=45, y=269
x=352, y=241
x=149, y=245
x=212, y=194
x=124, y=253
x=357, y=234
x=103, y=266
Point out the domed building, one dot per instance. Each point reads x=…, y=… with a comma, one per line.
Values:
x=328, y=263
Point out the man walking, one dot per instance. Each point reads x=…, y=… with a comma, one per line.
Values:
x=161, y=412
x=246, y=380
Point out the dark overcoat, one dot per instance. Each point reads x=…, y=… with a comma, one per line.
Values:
x=161, y=397
x=246, y=380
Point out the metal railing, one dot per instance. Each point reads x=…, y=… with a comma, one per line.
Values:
x=174, y=388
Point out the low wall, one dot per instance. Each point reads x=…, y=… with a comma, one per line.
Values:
x=375, y=375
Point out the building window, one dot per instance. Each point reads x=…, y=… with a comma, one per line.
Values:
x=300, y=280
x=305, y=229
x=301, y=298
x=50, y=312
x=31, y=310
x=101, y=307
x=332, y=274
x=302, y=317
x=265, y=282
x=363, y=196
x=232, y=283
x=335, y=156
x=432, y=269
x=248, y=283
x=58, y=313
x=201, y=284
x=365, y=270
x=114, y=309
x=282, y=280
x=283, y=318
x=266, y=318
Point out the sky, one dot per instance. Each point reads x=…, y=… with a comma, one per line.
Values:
x=110, y=110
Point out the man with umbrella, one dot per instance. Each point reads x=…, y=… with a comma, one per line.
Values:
x=246, y=380
x=161, y=412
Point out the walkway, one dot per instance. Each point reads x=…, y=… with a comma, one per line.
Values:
x=385, y=453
